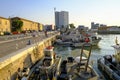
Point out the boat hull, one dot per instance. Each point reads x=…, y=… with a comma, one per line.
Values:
x=106, y=70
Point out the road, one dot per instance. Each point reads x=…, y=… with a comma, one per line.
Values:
x=13, y=45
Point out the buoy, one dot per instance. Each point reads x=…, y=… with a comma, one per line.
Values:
x=87, y=40
x=49, y=47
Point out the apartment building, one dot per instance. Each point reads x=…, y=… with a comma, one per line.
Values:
x=27, y=24
x=5, y=25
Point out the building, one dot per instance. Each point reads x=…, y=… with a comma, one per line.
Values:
x=94, y=25
x=27, y=24
x=4, y=25
x=97, y=25
x=82, y=27
x=49, y=27
x=40, y=27
x=61, y=19
x=109, y=30
x=103, y=28
x=103, y=25
x=114, y=28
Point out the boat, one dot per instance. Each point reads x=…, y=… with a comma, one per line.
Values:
x=74, y=38
x=117, y=46
x=109, y=65
x=47, y=66
x=91, y=39
x=77, y=68
x=63, y=43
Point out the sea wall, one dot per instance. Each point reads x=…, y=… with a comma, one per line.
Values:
x=26, y=57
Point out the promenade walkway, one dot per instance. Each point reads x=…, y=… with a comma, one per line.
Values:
x=11, y=45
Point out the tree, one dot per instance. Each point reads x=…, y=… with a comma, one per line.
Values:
x=71, y=25
x=17, y=25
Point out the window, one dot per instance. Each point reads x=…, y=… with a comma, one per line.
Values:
x=6, y=29
x=0, y=22
x=5, y=22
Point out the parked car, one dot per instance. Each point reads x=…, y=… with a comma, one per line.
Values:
x=7, y=33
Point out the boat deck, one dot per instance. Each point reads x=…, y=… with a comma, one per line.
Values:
x=40, y=73
x=76, y=72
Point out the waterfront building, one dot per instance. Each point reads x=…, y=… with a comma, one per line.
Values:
x=103, y=25
x=49, y=27
x=103, y=28
x=40, y=27
x=61, y=19
x=114, y=28
x=94, y=25
x=82, y=27
x=4, y=25
x=27, y=24
x=109, y=30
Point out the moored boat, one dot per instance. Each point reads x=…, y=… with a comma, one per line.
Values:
x=76, y=38
x=92, y=40
x=109, y=65
x=77, y=68
x=47, y=67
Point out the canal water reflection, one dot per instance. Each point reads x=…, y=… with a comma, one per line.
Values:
x=103, y=48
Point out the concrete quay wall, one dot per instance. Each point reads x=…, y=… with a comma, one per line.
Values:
x=23, y=58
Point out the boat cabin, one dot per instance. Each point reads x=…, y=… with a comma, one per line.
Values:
x=49, y=56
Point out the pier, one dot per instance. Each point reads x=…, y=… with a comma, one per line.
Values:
x=22, y=51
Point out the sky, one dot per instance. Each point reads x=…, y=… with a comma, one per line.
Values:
x=81, y=12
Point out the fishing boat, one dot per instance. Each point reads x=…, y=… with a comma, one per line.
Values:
x=63, y=43
x=91, y=39
x=47, y=66
x=77, y=39
x=77, y=68
x=109, y=65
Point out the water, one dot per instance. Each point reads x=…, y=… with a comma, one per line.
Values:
x=104, y=48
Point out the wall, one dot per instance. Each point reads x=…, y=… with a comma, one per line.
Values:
x=29, y=25
x=4, y=25
x=23, y=58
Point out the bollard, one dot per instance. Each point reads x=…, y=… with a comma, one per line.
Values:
x=16, y=46
x=29, y=42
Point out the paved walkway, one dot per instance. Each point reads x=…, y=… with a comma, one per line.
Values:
x=10, y=46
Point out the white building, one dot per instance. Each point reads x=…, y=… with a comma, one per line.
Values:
x=61, y=19
x=114, y=28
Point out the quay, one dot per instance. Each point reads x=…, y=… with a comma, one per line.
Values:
x=17, y=53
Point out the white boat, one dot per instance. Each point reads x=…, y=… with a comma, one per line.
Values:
x=77, y=39
x=47, y=66
x=64, y=43
x=109, y=65
x=117, y=46
x=77, y=68
x=92, y=40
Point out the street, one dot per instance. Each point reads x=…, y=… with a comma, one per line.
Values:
x=15, y=44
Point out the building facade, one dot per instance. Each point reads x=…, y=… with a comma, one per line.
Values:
x=40, y=27
x=94, y=25
x=4, y=25
x=49, y=27
x=27, y=24
x=109, y=30
x=61, y=19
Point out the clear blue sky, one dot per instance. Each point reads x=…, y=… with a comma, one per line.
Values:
x=81, y=12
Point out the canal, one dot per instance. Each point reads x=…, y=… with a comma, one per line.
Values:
x=104, y=47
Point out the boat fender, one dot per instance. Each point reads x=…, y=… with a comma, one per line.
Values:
x=87, y=40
